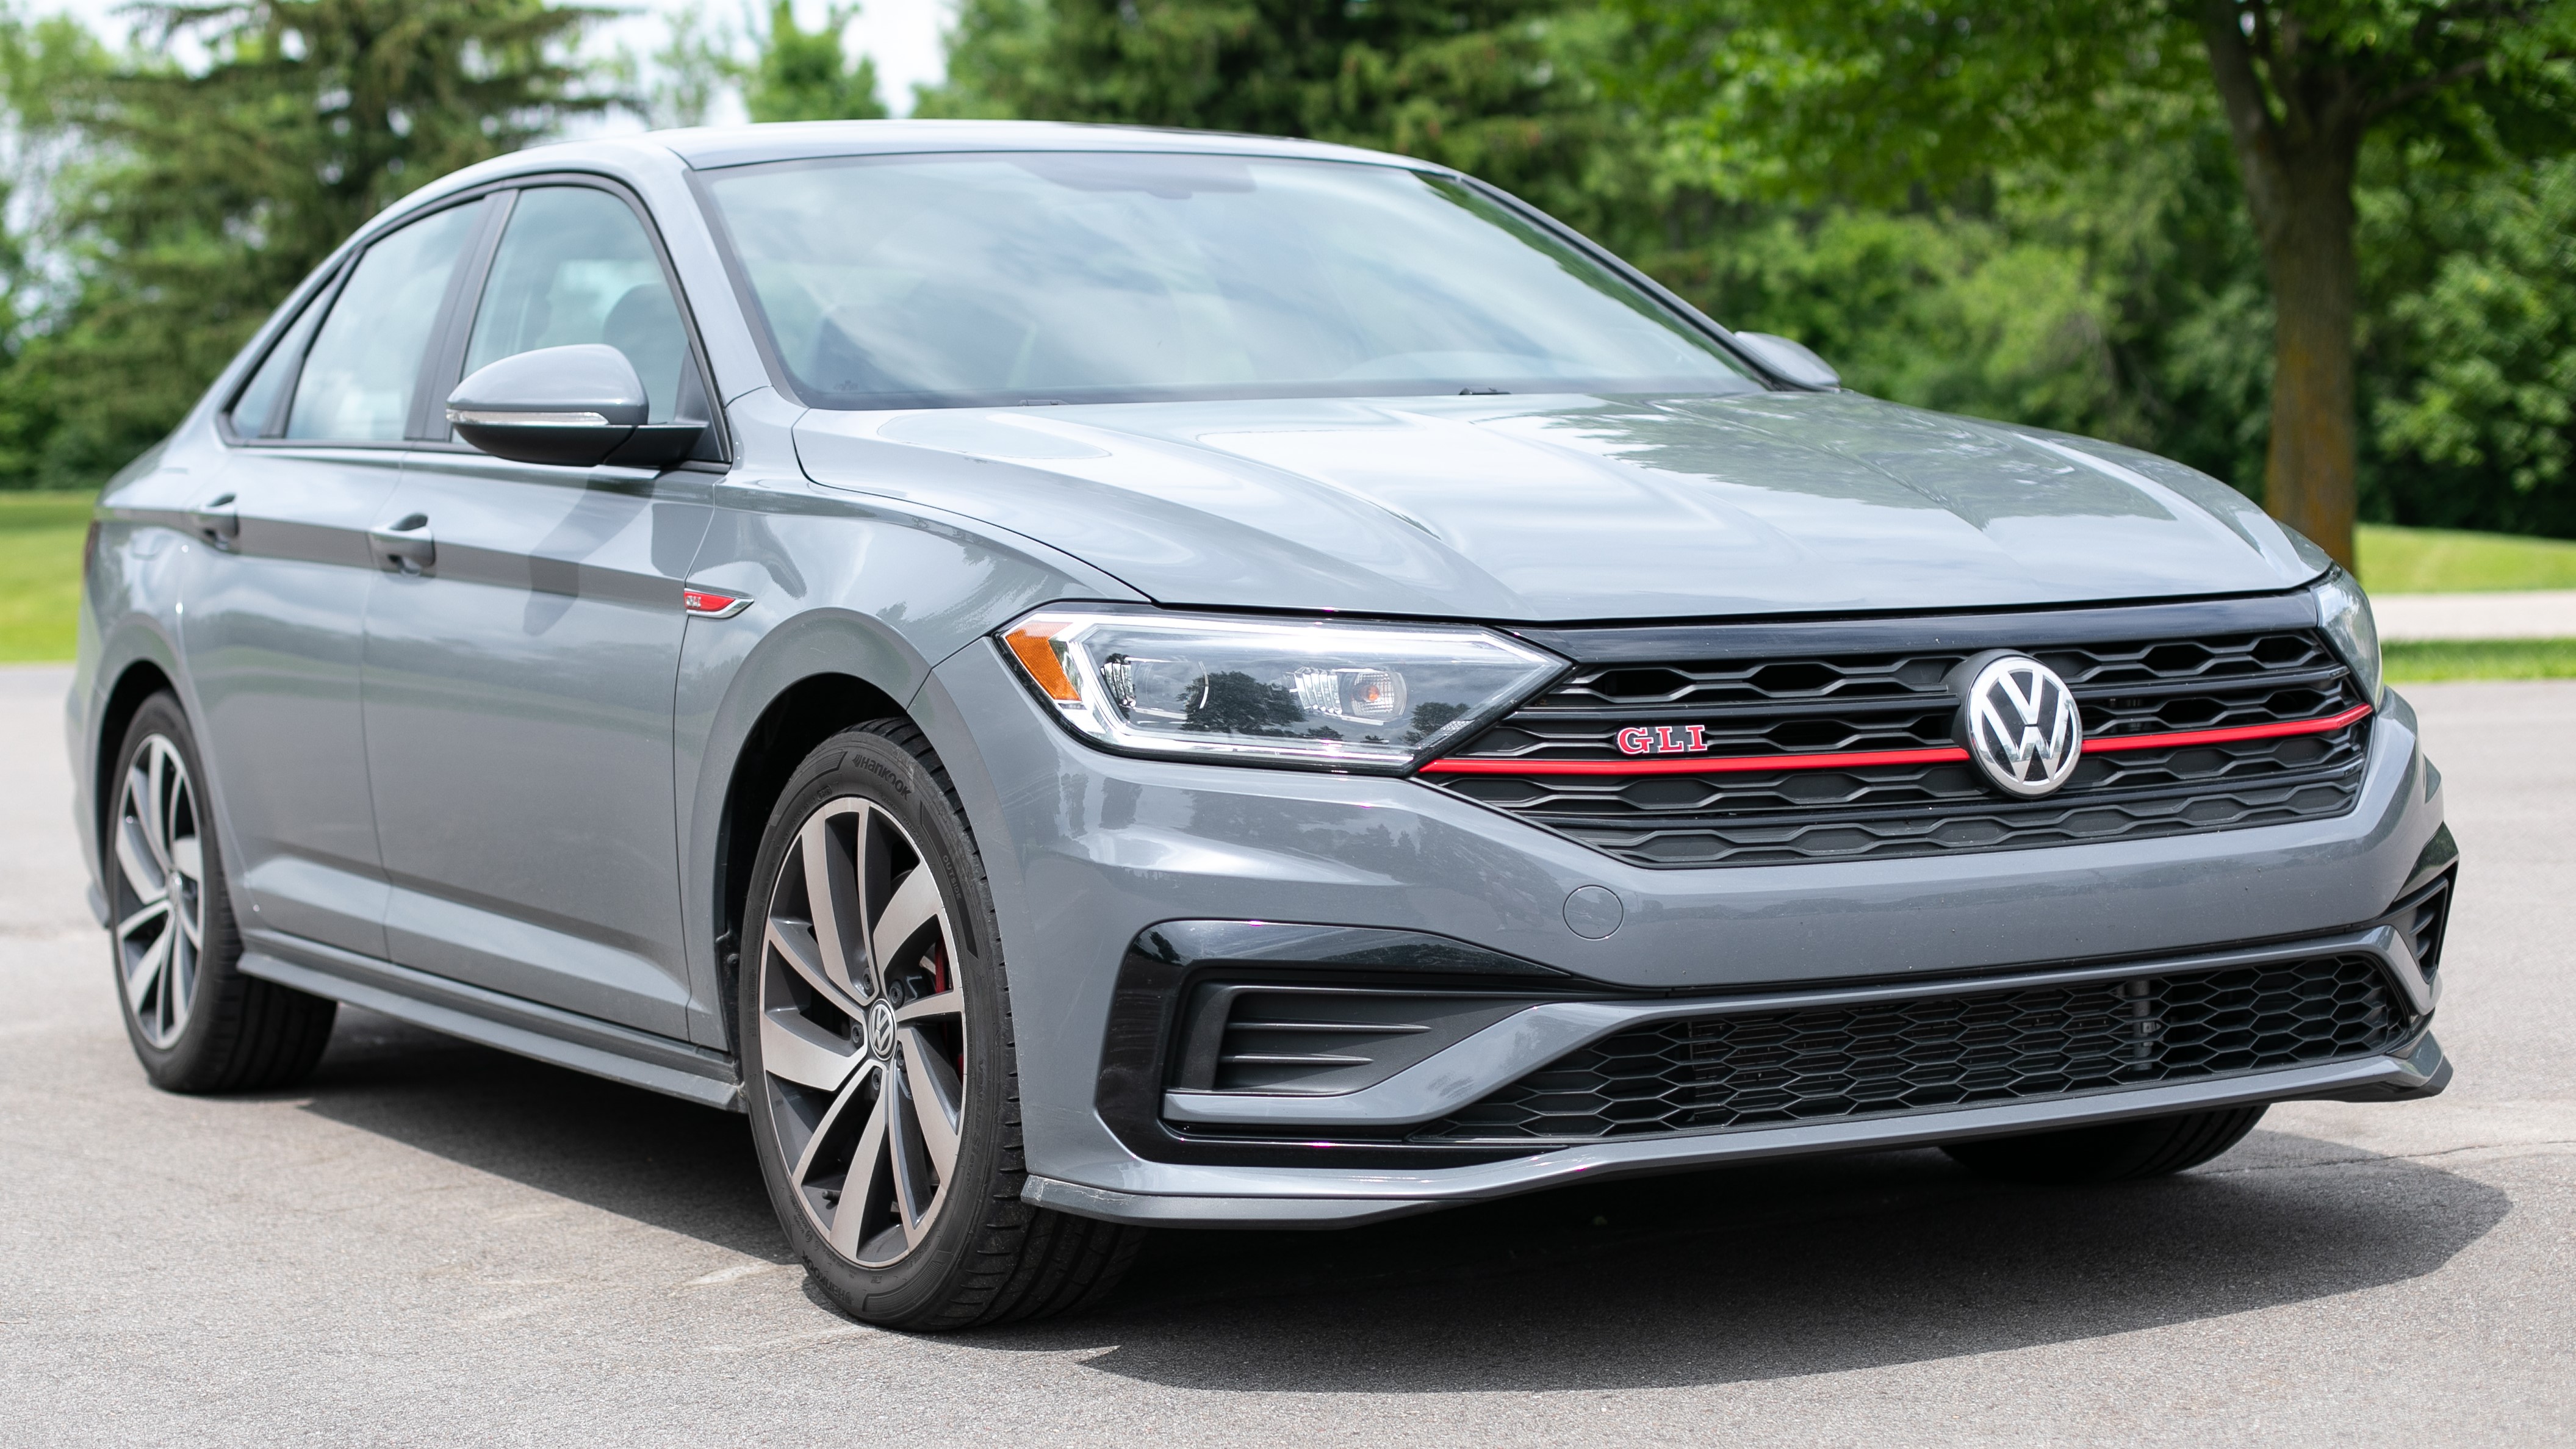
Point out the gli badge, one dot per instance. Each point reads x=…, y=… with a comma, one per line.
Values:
x=1663, y=739
x=2019, y=723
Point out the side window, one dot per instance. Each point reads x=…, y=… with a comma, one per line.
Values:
x=575, y=266
x=365, y=361
x=256, y=413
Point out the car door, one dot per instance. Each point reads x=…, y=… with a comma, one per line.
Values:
x=520, y=671
x=270, y=628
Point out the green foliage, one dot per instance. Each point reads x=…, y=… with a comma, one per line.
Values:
x=202, y=195
x=2478, y=420
x=1501, y=88
x=803, y=75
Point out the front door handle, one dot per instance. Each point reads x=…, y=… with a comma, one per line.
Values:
x=216, y=522
x=405, y=546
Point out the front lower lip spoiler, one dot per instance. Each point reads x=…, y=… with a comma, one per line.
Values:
x=1288, y=1198
x=1527, y=1040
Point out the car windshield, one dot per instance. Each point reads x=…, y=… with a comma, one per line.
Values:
x=998, y=279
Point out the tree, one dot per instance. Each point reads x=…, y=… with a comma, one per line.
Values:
x=1890, y=100
x=804, y=75
x=1501, y=88
x=206, y=193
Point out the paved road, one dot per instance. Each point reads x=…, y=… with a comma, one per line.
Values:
x=2541, y=614
x=438, y=1244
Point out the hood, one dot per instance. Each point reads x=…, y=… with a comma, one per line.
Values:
x=1562, y=509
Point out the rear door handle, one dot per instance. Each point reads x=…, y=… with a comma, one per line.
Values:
x=216, y=522
x=405, y=546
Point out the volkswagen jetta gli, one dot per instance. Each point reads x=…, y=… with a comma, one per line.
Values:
x=1093, y=679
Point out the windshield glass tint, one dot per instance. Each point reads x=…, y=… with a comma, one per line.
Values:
x=997, y=279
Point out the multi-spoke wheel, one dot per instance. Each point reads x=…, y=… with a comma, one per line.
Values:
x=877, y=1057
x=161, y=890
x=197, y=1023
x=863, y=1032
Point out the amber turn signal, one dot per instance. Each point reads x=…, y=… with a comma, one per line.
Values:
x=1029, y=644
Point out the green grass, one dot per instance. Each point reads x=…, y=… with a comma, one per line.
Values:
x=2432, y=661
x=2444, y=561
x=40, y=556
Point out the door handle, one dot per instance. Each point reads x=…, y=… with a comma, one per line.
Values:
x=405, y=546
x=216, y=522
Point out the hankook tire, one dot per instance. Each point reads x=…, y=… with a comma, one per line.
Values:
x=878, y=1060
x=2113, y=1152
x=196, y=1022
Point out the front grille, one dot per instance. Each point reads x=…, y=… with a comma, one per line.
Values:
x=1752, y=708
x=1730, y=1071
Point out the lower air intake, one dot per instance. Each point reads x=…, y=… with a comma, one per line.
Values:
x=1719, y=1072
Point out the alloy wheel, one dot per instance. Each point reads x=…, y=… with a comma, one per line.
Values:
x=161, y=904
x=862, y=1032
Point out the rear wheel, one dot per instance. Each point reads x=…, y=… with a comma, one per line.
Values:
x=196, y=1022
x=877, y=1054
x=2113, y=1152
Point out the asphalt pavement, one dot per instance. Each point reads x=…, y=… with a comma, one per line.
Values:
x=433, y=1243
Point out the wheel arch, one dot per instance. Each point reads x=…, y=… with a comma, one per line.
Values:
x=146, y=670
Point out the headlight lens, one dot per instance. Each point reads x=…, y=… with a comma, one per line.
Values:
x=1339, y=696
x=2343, y=611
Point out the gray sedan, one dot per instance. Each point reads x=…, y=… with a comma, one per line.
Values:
x=1094, y=679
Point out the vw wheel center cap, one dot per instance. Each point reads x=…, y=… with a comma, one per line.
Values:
x=2020, y=724
x=881, y=1031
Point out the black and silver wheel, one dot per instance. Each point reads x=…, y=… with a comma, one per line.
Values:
x=2112, y=1152
x=877, y=1054
x=197, y=1024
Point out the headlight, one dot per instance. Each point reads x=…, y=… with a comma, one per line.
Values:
x=1337, y=696
x=2343, y=611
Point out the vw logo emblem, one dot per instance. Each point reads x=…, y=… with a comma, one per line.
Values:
x=2020, y=724
x=881, y=1031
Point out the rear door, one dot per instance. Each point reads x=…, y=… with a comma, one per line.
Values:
x=519, y=685
x=271, y=628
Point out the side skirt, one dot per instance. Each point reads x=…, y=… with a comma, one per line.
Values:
x=563, y=1038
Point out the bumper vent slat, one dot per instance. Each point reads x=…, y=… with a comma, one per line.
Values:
x=1738, y=1071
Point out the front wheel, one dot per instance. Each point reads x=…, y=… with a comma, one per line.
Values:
x=2112, y=1152
x=877, y=1054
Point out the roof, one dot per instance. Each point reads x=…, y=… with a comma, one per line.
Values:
x=712, y=146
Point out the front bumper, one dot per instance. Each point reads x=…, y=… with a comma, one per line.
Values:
x=1085, y=850
x=1289, y=1198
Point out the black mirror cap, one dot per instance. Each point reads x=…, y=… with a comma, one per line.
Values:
x=577, y=406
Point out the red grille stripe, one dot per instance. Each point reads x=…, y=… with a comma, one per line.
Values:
x=1941, y=755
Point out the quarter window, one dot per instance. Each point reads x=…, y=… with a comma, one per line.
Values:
x=358, y=380
x=575, y=266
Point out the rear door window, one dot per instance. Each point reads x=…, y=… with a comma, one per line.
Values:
x=365, y=363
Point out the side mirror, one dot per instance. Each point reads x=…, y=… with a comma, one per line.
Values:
x=1792, y=361
x=579, y=406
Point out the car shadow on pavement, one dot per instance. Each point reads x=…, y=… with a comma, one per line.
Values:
x=1766, y=1271
x=1743, y=1273
x=658, y=1160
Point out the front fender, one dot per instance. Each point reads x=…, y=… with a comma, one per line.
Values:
x=841, y=587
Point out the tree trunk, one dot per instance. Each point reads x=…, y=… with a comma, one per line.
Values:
x=2297, y=124
x=2308, y=474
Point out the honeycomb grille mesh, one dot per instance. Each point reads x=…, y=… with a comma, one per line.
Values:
x=1901, y=701
x=1720, y=1072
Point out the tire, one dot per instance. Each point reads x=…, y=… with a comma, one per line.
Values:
x=197, y=1023
x=2113, y=1152
x=877, y=1054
